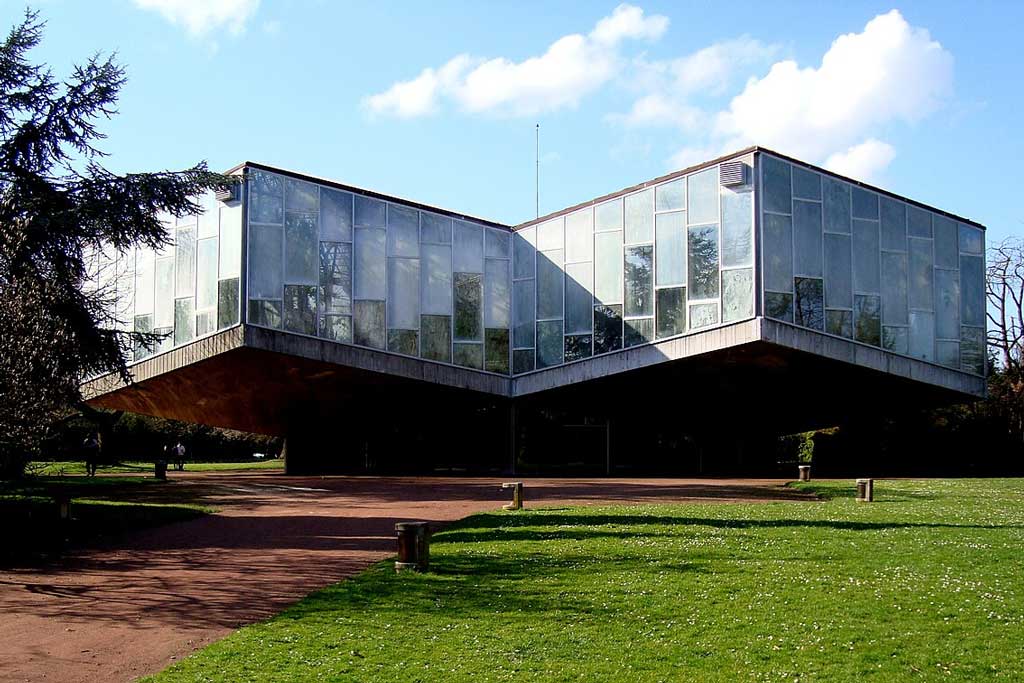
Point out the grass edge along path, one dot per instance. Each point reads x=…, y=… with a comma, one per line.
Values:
x=924, y=584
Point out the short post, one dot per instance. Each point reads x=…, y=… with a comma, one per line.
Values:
x=517, y=495
x=805, y=472
x=160, y=470
x=413, y=546
x=865, y=490
x=63, y=501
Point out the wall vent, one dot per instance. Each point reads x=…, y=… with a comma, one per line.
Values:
x=733, y=173
x=227, y=193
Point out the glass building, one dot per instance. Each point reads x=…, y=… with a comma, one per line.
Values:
x=733, y=268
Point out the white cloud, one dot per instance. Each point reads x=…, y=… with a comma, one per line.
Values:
x=862, y=161
x=657, y=109
x=571, y=68
x=199, y=17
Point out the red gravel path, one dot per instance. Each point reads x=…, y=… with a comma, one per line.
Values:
x=132, y=608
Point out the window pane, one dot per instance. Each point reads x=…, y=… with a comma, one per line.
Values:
x=703, y=262
x=577, y=347
x=703, y=315
x=972, y=241
x=524, y=313
x=807, y=238
x=836, y=205
x=549, y=343
x=839, y=323
x=638, y=280
x=947, y=304
x=810, y=303
x=608, y=216
x=497, y=294
x=867, y=319
x=266, y=268
x=806, y=183
x=670, y=196
x=608, y=267
x=777, y=184
x=403, y=231
x=468, y=307
x=336, y=328
x=496, y=350
x=300, y=248
x=579, y=236
x=206, y=275
x=865, y=256
x=549, y=285
x=404, y=294
x=972, y=290
x=335, y=215
x=579, y=299
x=300, y=195
x=638, y=331
x=435, y=229
x=894, y=224
x=865, y=204
x=437, y=279
x=920, y=293
x=227, y=303
x=778, y=252
x=894, y=288
x=551, y=235
x=265, y=313
x=947, y=242
x=266, y=197
x=468, y=248
x=184, y=321
x=336, y=278
x=671, y=311
x=300, y=309
x=369, y=212
x=524, y=253
x=670, y=245
x=368, y=322
x=522, y=361
x=919, y=222
x=639, y=217
x=737, y=228
x=922, y=335
x=838, y=271
x=607, y=328
x=948, y=353
x=405, y=342
x=702, y=193
x=737, y=294
x=143, y=324
x=896, y=339
x=497, y=243
x=972, y=349
x=185, y=262
x=369, y=265
x=468, y=355
x=436, y=334
x=230, y=241
x=779, y=305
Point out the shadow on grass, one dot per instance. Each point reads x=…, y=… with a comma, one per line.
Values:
x=882, y=495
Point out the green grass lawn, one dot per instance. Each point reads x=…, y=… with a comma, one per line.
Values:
x=136, y=467
x=925, y=584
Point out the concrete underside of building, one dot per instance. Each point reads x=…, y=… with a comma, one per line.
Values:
x=695, y=404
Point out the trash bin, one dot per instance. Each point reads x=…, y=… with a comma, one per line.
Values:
x=805, y=472
x=413, y=546
x=161, y=470
x=865, y=490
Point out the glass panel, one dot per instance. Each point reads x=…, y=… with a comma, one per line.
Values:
x=522, y=361
x=947, y=304
x=807, y=238
x=551, y=235
x=206, y=274
x=839, y=323
x=209, y=215
x=335, y=215
x=336, y=328
x=266, y=197
x=435, y=229
x=702, y=315
x=549, y=343
x=265, y=313
x=230, y=241
x=468, y=355
x=336, y=278
x=639, y=217
x=972, y=290
x=497, y=244
x=579, y=236
x=403, y=231
x=836, y=205
x=920, y=293
x=185, y=262
x=894, y=288
x=702, y=193
x=607, y=328
x=703, y=262
x=865, y=204
x=922, y=335
x=227, y=303
x=971, y=239
x=300, y=309
x=670, y=246
x=948, y=353
x=608, y=216
x=300, y=248
x=405, y=342
x=468, y=248
x=436, y=333
x=184, y=321
x=496, y=350
x=404, y=294
x=737, y=228
x=468, y=304
x=838, y=271
x=436, y=285
x=671, y=311
x=300, y=195
x=638, y=331
x=865, y=256
x=779, y=305
x=608, y=267
x=163, y=306
x=777, y=184
x=370, y=266
x=497, y=296
x=524, y=253
x=639, y=263
x=810, y=303
x=145, y=282
x=549, y=285
x=947, y=242
x=368, y=322
x=524, y=313
x=579, y=297
x=670, y=196
x=806, y=183
x=143, y=324
x=577, y=346
x=266, y=268
x=867, y=319
x=737, y=294
x=972, y=349
x=896, y=339
x=894, y=224
x=919, y=222
x=778, y=252
x=369, y=212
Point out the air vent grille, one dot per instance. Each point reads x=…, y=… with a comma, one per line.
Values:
x=733, y=173
x=226, y=193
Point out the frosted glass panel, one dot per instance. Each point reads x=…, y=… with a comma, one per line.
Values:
x=403, y=231
x=335, y=215
x=369, y=212
x=549, y=343
x=550, y=235
x=922, y=335
x=525, y=254
x=145, y=282
x=579, y=236
x=671, y=311
x=894, y=224
x=522, y=291
x=579, y=298
x=496, y=350
x=779, y=305
x=300, y=195
x=468, y=248
x=435, y=229
x=737, y=228
x=266, y=197
x=809, y=305
x=948, y=353
x=265, y=313
x=638, y=278
x=778, y=252
x=300, y=248
x=867, y=319
x=549, y=285
x=777, y=184
x=865, y=204
x=608, y=216
x=919, y=222
x=436, y=338
x=839, y=323
x=497, y=294
x=947, y=247
x=336, y=278
x=703, y=315
x=894, y=288
x=838, y=271
x=227, y=303
x=230, y=241
x=896, y=339
x=703, y=262
x=403, y=294
x=737, y=294
x=865, y=256
x=300, y=309
x=206, y=276
x=468, y=355
x=368, y=322
x=639, y=214
x=403, y=341
x=702, y=195
x=607, y=328
x=920, y=293
x=947, y=304
x=972, y=241
x=972, y=349
x=836, y=205
x=807, y=238
x=670, y=246
x=184, y=321
x=806, y=183
x=972, y=290
x=670, y=196
x=185, y=262
x=608, y=267
x=437, y=279
x=468, y=307
x=369, y=266
x=497, y=243
x=266, y=267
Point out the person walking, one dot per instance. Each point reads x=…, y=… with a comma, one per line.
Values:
x=91, y=453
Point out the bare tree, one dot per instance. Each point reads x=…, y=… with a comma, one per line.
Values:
x=1005, y=293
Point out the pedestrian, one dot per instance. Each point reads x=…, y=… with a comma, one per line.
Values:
x=91, y=453
x=179, y=456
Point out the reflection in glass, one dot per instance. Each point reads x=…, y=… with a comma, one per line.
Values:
x=369, y=212
x=497, y=243
x=896, y=339
x=867, y=319
x=639, y=262
x=549, y=343
x=608, y=267
x=865, y=204
x=522, y=361
x=639, y=217
x=266, y=197
x=579, y=302
x=227, y=303
x=703, y=262
x=637, y=331
x=577, y=347
x=838, y=271
x=836, y=205
x=300, y=309
x=670, y=245
x=922, y=335
x=404, y=293
x=947, y=353
x=607, y=328
x=894, y=224
x=468, y=307
x=779, y=305
x=436, y=337
x=737, y=294
x=497, y=297
x=370, y=266
x=810, y=303
x=919, y=222
x=368, y=323
x=839, y=323
x=184, y=321
x=264, y=313
x=143, y=324
x=524, y=253
x=550, y=281
x=185, y=262
x=300, y=248
x=435, y=229
x=405, y=342
x=468, y=355
x=806, y=183
x=670, y=196
x=266, y=269
x=702, y=315
x=971, y=239
x=335, y=215
x=866, y=276
x=737, y=223
x=336, y=278
x=920, y=293
x=807, y=238
x=947, y=304
x=776, y=182
x=671, y=311
x=947, y=242
x=702, y=195
x=894, y=288
x=972, y=290
x=436, y=282
x=778, y=252
x=972, y=349
x=523, y=310
x=496, y=350
x=300, y=195
x=403, y=231
x=468, y=248
x=336, y=328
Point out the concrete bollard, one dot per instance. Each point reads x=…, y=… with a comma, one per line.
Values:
x=865, y=490
x=413, y=546
x=517, y=495
x=63, y=502
x=805, y=472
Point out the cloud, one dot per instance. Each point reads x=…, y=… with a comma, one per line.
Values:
x=658, y=109
x=862, y=161
x=571, y=68
x=200, y=17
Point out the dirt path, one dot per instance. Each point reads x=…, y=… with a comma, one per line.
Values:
x=132, y=608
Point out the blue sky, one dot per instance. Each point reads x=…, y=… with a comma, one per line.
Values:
x=437, y=102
